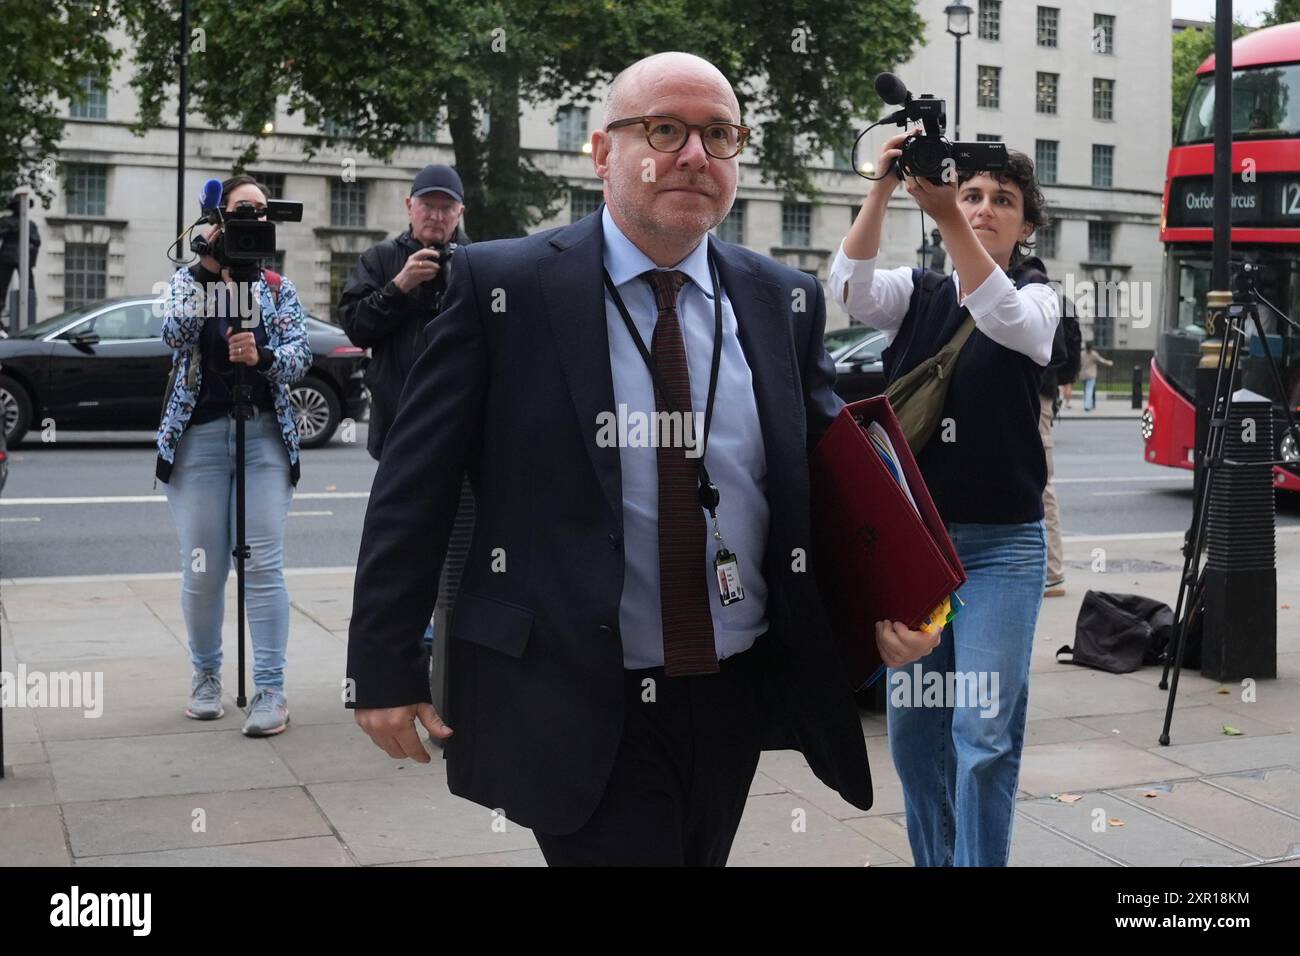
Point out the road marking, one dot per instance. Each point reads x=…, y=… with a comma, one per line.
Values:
x=1114, y=479
x=15, y=520
x=161, y=576
x=308, y=514
x=156, y=499
x=1156, y=535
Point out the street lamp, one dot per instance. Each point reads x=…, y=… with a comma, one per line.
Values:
x=958, y=26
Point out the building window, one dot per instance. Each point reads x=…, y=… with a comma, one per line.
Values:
x=92, y=101
x=87, y=190
x=85, y=273
x=583, y=202
x=732, y=229
x=425, y=131
x=1103, y=165
x=1101, y=240
x=796, y=224
x=341, y=264
x=1047, y=241
x=990, y=20
x=347, y=204
x=1047, y=85
x=572, y=122
x=987, y=138
x=841, y=160
x=333, y=129
x=1045, y=151
x=1103, y=33
x=273, y=183
x=1103, y=99
x=275, y=263
x=1048, y=19
x=989, y=86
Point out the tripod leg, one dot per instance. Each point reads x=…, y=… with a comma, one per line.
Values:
x=1211, y=461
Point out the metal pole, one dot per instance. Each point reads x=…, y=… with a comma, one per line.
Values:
x=1220, y=278
x=20, y=321
x=182, y=108
x=956, y=123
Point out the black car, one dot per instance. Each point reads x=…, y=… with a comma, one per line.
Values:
x=104, y=367
x=859, y=373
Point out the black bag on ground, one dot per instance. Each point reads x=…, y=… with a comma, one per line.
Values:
x=1121, y=632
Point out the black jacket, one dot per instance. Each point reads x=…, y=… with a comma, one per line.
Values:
x=378, y=316
x=9, y=242
x=535, y=676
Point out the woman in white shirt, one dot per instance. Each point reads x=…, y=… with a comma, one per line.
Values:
x=959, y=757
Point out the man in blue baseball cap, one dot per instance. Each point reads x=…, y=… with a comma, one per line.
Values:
x=397, y=286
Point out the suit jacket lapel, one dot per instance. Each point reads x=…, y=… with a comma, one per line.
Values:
x=574, y=299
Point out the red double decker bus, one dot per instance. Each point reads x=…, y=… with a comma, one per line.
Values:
x=1265, y=229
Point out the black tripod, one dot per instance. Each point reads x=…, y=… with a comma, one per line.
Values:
x=241, y=410
x=1192, y=587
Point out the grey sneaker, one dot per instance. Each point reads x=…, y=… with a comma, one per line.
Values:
x=205, y=697
x=268, y=713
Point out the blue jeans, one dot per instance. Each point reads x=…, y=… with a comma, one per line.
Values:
x=1089, y=394
x=201, y=495
x=956, y=742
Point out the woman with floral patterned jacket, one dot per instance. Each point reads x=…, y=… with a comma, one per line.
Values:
x=196, y=460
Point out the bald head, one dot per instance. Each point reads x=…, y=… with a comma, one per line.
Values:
x=646, y=78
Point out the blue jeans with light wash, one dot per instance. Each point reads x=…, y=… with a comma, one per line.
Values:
x=957, y=751
x=201, y=495
x=1089, y=394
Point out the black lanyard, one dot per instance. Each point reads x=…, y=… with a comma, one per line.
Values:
x=709, y=495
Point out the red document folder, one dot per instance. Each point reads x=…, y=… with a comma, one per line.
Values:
x=876, y=557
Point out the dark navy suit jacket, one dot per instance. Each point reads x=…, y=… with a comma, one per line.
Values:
x=508, y=389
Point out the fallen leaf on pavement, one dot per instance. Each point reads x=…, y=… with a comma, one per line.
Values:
x=1068, y=797
x=1151, y=793
x=1231, y=731
x=1115, y=822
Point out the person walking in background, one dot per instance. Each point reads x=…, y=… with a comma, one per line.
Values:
x=1088, y=372
x=1067, y=352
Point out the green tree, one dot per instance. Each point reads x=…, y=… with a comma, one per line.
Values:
x=803, y=71
x=48, y=49
x=1284, y=11
x=1190, y=48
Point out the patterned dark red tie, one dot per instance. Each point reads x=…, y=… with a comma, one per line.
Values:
x=683, y=588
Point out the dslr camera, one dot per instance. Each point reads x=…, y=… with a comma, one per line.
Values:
x=930, y=154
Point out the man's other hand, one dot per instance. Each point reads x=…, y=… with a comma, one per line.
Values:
x=393, y=729
x=900, y=646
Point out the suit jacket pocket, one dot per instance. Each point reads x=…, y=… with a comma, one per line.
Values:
x=491, y=623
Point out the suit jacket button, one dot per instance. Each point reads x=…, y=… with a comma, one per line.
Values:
x=615, y=540
x=606, y=631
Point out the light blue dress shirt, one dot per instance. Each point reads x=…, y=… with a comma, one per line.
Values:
x=736, y=456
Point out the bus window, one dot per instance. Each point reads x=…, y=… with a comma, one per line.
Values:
x=1265, y=105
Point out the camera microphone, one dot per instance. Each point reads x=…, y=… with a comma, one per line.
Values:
x=891, y=89
x=210, y=199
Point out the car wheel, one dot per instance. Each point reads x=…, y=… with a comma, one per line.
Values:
x=15, y=410
x=316, y=410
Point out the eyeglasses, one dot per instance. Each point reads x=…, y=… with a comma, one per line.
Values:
x=668, y=134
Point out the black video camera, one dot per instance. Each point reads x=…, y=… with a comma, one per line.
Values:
x=930, y=155
x=245, y=239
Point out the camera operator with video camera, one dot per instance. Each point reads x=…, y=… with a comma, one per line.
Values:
x=197, y=454
x=397, y=286
x=984, y=466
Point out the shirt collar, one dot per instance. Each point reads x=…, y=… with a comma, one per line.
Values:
x=625, y=261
